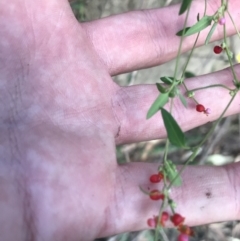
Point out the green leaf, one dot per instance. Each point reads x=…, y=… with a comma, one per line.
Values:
x=210, y=33
x=189, y=74
x=161, y=100
x=174, y=132
x=161, y=89
x=183, y=31
x=167, y=80
x=185, y=5
x=173, y=92
x=171, y=173
x=203, y=23
x=183, y=100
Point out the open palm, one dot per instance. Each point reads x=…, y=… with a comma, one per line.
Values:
x=61, y=116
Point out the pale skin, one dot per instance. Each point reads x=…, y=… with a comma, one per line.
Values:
x=61, y=116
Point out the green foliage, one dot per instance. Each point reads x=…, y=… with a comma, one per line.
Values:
x=161, y=89
x=211, y=33
x=174, y=132
x=189, y=74
x=167, y=80
x=170, y=171
x=185, y=5
x=203, y=23
x=173, y=92
x=161, y=100
x=183, y=100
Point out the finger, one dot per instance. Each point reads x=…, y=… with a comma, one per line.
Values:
x=143, y=39
x=131, y=105
x=205, y=191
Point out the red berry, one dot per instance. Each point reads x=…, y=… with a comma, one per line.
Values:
x=183, y=237
x=177, y=219
x=155, y=178
x=217, y=49
x=200, y=108
x=156, y=195
x=164, y=218
x=152, y=222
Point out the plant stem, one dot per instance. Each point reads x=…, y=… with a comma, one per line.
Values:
x=217, y=122
x=190, y=55
x=180, y=45
x=167, y=142
x=211, y=86
x=228, y=54
x=158, y=228
x=191, y=158
x=194, y=45
x=233, y=23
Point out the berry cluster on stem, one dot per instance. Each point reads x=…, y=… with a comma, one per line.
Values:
x=176, y=219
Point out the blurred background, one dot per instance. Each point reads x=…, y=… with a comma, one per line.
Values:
x=222, y=146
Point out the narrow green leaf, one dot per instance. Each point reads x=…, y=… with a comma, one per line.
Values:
x=183, y=100
x=167, y=80
x=203, y=23
x=184, y=6
x=161, y=100
x=172, y=174
x=161, y=89
x=174, y=132
x=189, y=74
x=183, y=31
x=210, y=33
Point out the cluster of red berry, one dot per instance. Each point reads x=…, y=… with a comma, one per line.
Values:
x=156, y=194
x=176, y=218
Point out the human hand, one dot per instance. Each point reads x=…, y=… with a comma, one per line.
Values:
x=61, y=116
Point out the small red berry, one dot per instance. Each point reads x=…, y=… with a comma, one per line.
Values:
x=152, y=222
x=217, y=49
x=155, y=178
x=164, y=218
x=156, y=195
x=177, y=219
x=183, y=237
x=200, y=108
